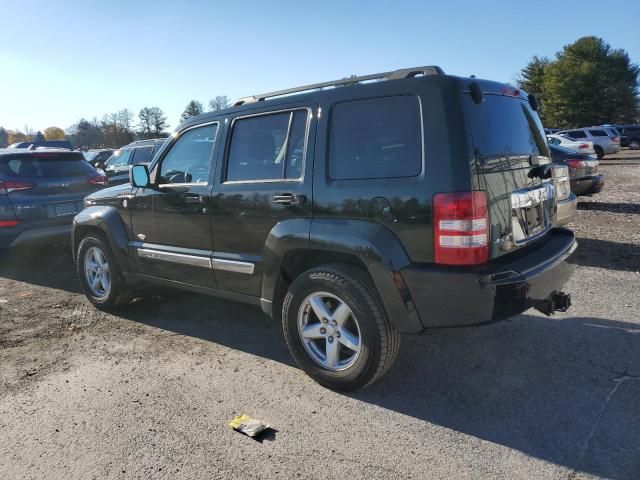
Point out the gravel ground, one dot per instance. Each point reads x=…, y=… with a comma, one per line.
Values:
x=148, y=393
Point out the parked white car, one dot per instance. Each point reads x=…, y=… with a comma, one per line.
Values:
x=585, y=146
x=603, y=144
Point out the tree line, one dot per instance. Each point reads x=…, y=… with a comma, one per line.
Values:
x=587, y=83
x=114, y=129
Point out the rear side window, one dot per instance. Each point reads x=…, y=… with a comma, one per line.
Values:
x=268, y=147
x=375, y=138
x=576, y=134
x=143, y=155
x=598, y=133
x=46, y=165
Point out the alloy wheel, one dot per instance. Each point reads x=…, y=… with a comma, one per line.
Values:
x=97, y=273
x=329, y=331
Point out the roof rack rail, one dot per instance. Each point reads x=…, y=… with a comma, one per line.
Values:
x=393, y=75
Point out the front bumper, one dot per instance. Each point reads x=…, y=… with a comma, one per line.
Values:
x=587, y=185
x=459, y=296
x=567, y=210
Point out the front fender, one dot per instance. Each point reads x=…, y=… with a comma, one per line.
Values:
x=108, y=221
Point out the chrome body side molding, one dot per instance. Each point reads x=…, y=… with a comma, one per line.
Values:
x=193, y=257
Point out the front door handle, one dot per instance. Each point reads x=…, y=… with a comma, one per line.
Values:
x=289, y=199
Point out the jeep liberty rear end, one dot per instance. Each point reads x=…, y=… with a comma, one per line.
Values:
x=509, y=240
x=352, y=215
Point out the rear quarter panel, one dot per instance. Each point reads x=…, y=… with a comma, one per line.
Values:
x=403, y=205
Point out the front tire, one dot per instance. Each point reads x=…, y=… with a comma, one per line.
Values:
x=336, y=328
x=599, y=152
x=634, y=144
x=100, y=275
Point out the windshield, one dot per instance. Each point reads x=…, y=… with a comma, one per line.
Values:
x=505, y=126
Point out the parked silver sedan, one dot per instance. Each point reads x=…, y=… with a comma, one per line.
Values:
x=582, y=146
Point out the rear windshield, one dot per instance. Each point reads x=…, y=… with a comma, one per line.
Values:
x=502, y=125
x=45, y=165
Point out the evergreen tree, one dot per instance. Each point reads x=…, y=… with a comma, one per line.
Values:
x=589, y=83
x=193, y=108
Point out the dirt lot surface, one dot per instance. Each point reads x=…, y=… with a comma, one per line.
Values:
x=148, y=393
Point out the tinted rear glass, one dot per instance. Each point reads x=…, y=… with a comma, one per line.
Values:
x=598, y=133
x=45, y=165
x=505, y=126
x=376, y=138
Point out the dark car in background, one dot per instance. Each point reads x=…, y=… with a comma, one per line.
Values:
x=41, y=191
x=630, y=136
x=140, y=152
x=98, y=157
x=583, y=170
x=46, y=143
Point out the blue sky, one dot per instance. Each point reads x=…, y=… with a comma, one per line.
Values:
x=60, y=61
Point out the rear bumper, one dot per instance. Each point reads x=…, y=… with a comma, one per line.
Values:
x=24, y=235
x=567, y=209
x=587, y=185
x=459, y=296
x=611, y=148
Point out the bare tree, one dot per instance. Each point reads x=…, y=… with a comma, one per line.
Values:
x=146, y=123
x=218, y=103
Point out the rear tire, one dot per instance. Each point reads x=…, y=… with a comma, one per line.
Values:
x=599, y=152
x=634, y=144
x=337, y=329
x=100, y=276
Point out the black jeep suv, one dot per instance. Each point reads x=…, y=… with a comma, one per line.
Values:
x=352, y=211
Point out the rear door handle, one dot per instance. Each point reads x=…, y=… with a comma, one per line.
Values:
x=192, y=199
x=289, y=199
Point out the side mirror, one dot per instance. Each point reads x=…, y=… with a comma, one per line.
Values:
x=139, y=176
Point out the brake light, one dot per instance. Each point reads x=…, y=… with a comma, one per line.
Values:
x=461, y=226
x=12, y=186
x=584, y=146
x=510, y=91
x=98, y=180
x=9, y=223
x=615, y=139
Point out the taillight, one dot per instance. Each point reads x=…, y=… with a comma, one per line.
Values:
x=615, y=139
x=9, y=223
x=13, y=186
x=98, y=180
x=575, y=163
x=461, y=226
x=584, y=146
